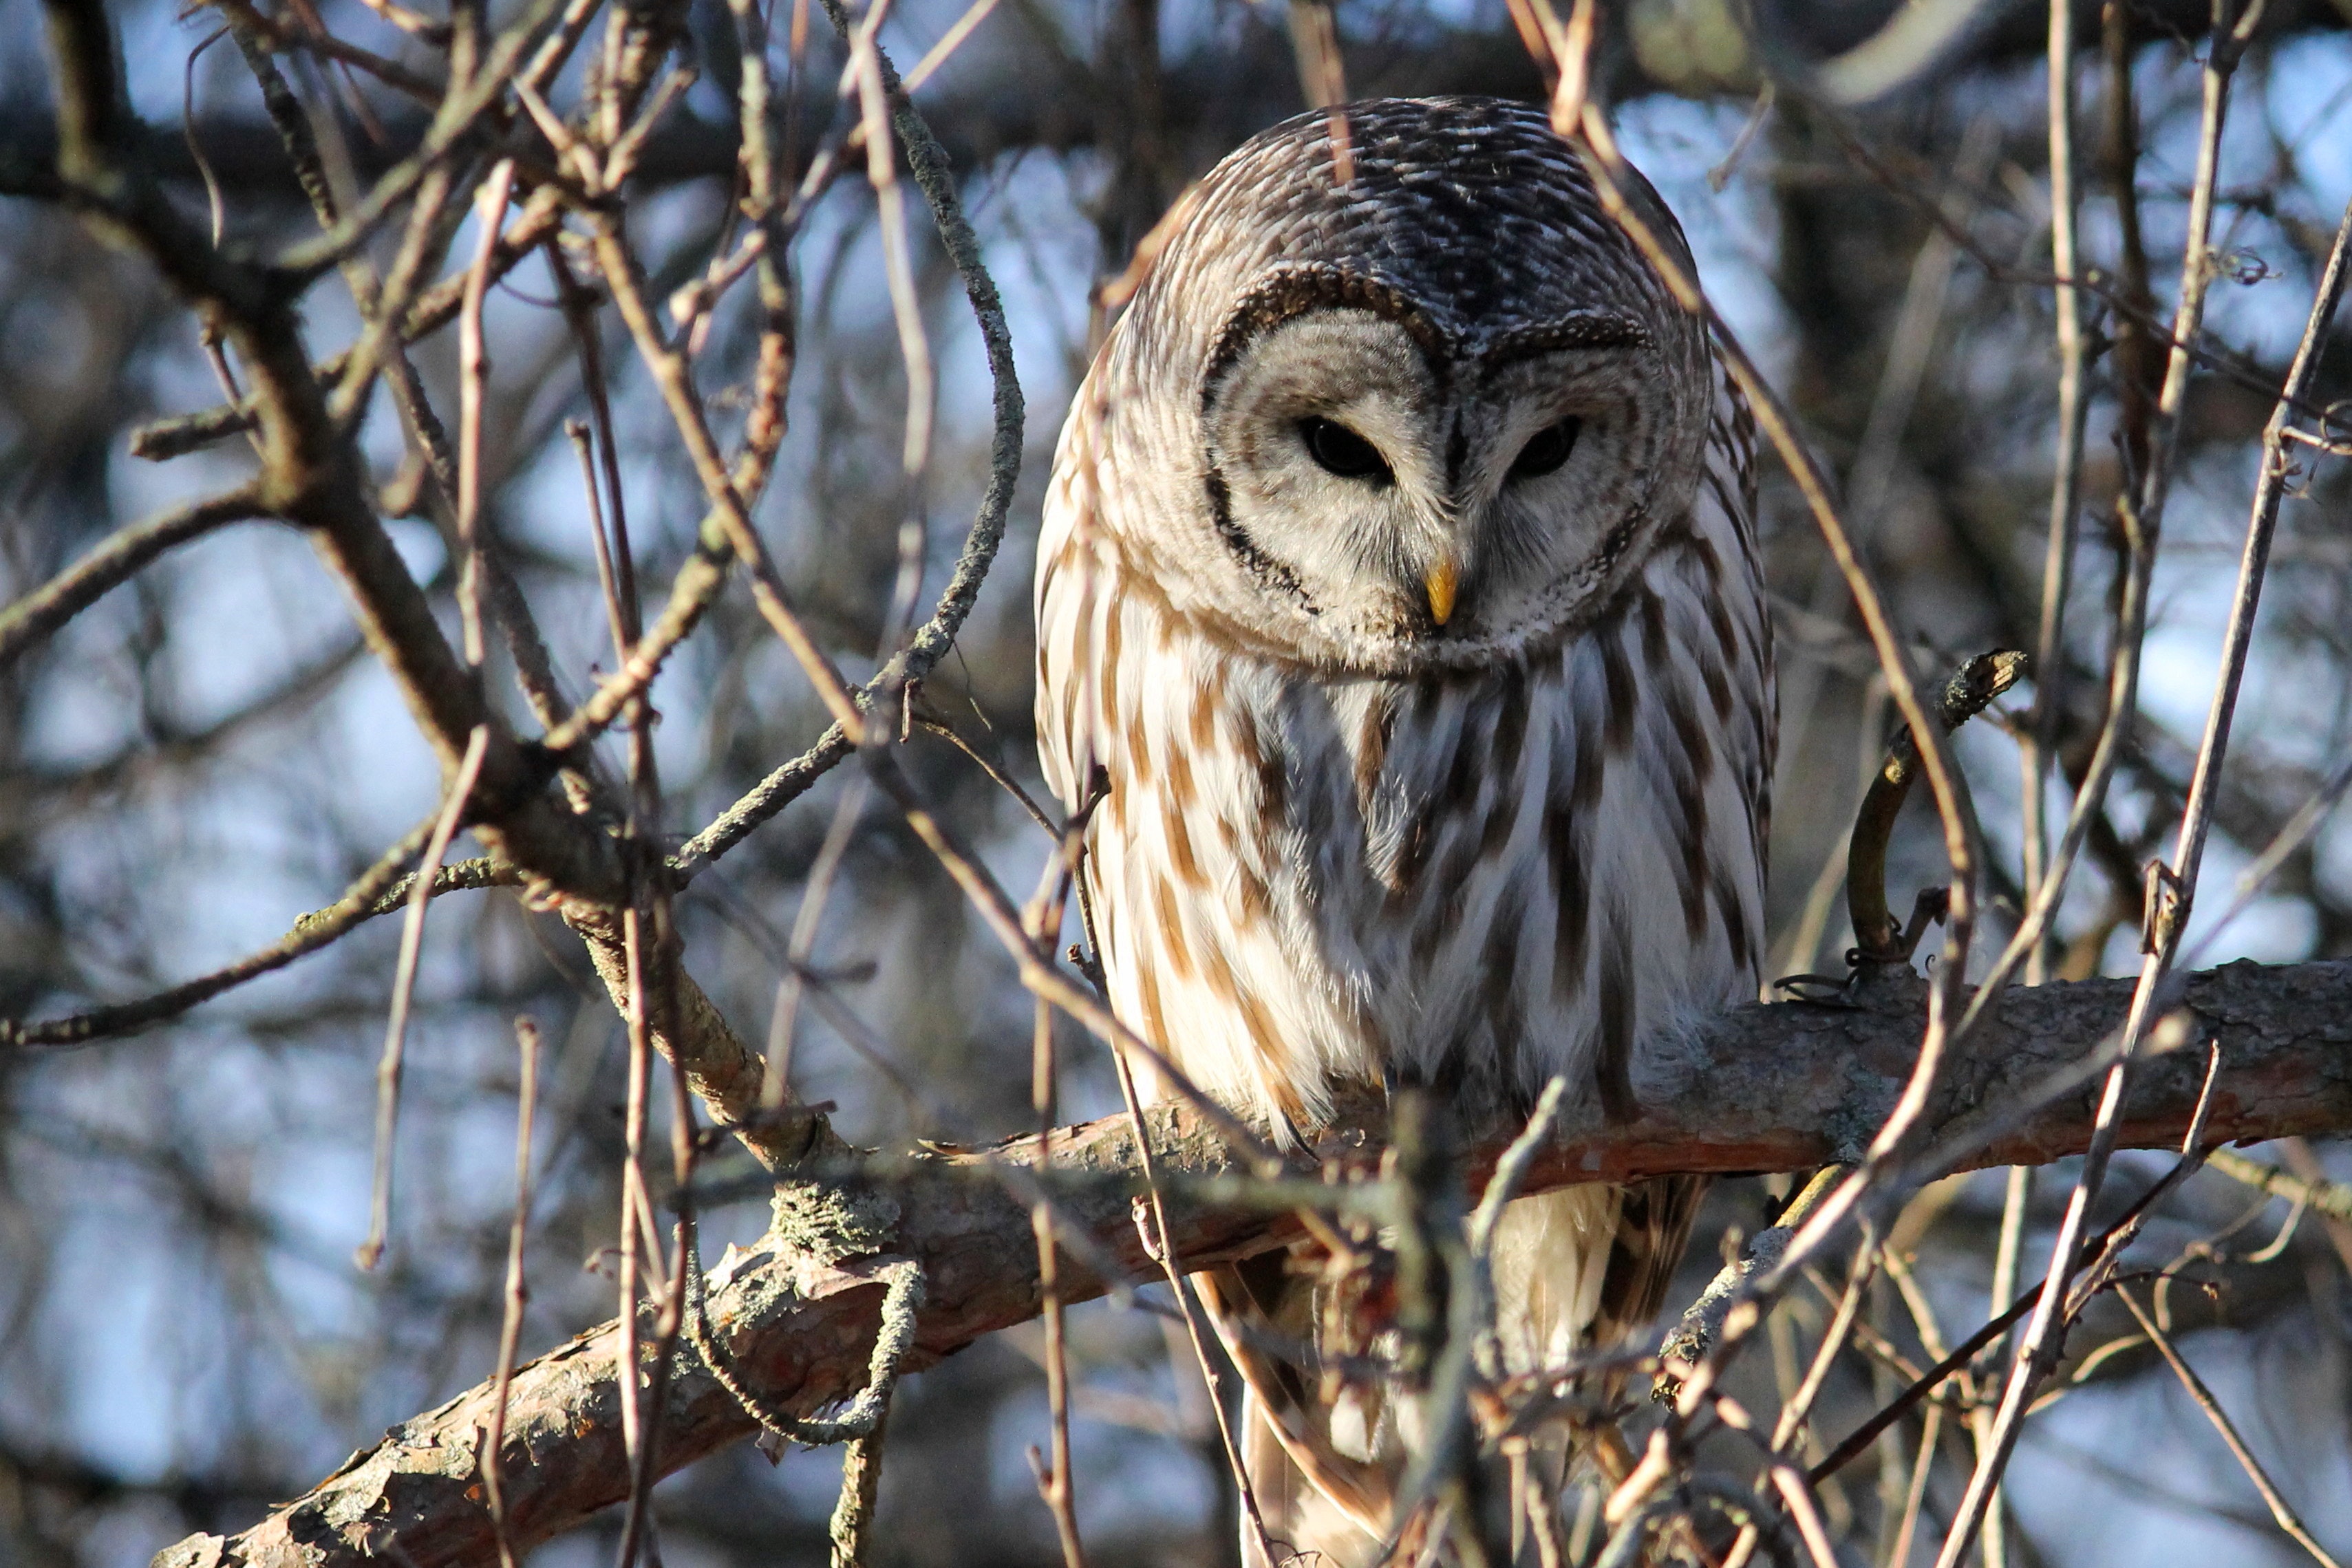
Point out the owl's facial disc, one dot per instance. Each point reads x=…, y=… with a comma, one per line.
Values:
x=1415, y=507
x=1321, y=472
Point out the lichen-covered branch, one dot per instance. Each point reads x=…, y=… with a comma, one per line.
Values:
x=1782, y=1087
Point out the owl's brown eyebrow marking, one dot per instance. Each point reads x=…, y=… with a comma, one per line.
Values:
x=1298, y=290
x=1579, y=330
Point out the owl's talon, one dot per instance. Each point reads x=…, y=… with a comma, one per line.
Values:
x=1878, y=939
x=1822, y=991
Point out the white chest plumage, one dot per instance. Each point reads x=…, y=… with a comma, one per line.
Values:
x=1477, y=880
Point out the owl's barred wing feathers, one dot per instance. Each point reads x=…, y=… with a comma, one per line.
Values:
x=1390, y=842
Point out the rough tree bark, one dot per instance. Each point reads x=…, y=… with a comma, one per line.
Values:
x=1776, y=1088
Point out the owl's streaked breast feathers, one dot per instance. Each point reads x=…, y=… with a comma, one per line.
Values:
x=1360, y=830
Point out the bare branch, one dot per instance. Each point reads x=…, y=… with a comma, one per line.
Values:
x=1764, y=1088
x=42, y=612
x=2287, y=1519
x=373, y=893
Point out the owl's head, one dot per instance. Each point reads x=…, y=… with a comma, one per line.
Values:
x=1435, y=414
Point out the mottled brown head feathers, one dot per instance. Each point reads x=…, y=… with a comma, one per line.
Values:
x=1461, y=294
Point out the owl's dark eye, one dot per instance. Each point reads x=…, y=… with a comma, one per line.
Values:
x=1546, y=449
x=1339, y=450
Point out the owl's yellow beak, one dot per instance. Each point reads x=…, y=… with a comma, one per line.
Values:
x=1441, y=580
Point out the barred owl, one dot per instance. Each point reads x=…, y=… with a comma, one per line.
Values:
x=1399, y=568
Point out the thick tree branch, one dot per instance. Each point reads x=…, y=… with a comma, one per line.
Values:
x=1763, y=1088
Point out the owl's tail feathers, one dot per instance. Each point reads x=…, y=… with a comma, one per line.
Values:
x=1324, y=1498
x=1324, y=1451
x=1307, y=1523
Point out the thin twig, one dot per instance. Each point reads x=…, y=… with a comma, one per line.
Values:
x=865, y=68
x=616, y=559
x=950, y=42
x=368, y=896
x=2287, y=1519
x=1164, y=1255
x=40, y=613
x=2009, y=1249
x=647, y=950
x=1073, y=849
x=1931, y=1428
x=1792, y=1424
x=636, y=1438
x=517, y=1294
x=808, y=922
x=473, y=371
x=996, y=774
x=584, y=443
x=188, y=133
x=2038, y=739
x=404, y=985
x=1323, y=78
x=2331, y=1198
